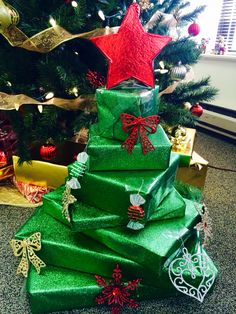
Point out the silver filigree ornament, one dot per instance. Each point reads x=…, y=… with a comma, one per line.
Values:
x=194, y=267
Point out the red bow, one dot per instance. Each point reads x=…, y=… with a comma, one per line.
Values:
x=138, y=125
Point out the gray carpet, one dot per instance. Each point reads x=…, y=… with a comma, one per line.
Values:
x=220, y=198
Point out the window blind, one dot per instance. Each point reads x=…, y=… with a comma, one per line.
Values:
x=227, y=24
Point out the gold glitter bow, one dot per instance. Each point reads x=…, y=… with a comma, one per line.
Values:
x=26, y=248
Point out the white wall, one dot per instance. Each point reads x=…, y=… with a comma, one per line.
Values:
x=222, y=70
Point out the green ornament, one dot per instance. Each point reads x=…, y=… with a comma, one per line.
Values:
x=8, y=16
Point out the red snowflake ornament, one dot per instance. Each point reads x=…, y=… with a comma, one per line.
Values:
x=116, y=292
x=131, y=51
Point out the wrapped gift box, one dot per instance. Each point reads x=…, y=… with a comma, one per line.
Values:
x=151, y=245
x=111, y=103
x=107, y=154
x=196, y=173
x=186, y=153
x=82, y=215
x=40, y=173
x=60, y=289
x=64, y=248
x=86, y=217
x=110, y=191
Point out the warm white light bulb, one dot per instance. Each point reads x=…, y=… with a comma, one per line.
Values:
x=52, y=21
x=49, y=95
x=75, y=91
x=101, y=15
x=74, y=4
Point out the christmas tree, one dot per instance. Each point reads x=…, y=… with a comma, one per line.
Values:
x=41, y=59
x=117, y=231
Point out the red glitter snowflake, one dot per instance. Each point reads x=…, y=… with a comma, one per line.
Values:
x=95, y=79
x=116, y=293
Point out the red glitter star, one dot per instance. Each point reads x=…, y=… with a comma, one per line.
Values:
x=116, y=292
x=131, y=51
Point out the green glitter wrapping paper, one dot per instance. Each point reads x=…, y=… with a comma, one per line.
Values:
x=60, y=289
x=86, y=217
x=107, y=154
x=111, y=103
x=110, y=190
x=64, y=248
x=152, y=244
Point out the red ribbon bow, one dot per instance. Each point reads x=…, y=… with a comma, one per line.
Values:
x=138, y=125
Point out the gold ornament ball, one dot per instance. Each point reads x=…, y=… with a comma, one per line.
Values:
x=8, y=16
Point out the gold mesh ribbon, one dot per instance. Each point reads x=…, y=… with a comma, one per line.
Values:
x=83, y=102
x=26, y=248
x=49, y=38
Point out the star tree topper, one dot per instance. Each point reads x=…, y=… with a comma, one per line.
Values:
x=131, y=51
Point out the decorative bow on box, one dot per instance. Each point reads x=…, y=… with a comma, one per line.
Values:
x=26, y=248
x=138, y=126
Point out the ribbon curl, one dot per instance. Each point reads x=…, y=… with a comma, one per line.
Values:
x=138, y=125
x=26, y=248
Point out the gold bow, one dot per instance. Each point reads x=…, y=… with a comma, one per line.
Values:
x=26, y=248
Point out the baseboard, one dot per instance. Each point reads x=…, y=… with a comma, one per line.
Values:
x=218, y=121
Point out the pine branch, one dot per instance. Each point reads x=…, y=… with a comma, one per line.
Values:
x=192, y=16
x=173, y=4
x=184, y=5
x=191, y=92
x=184, y=50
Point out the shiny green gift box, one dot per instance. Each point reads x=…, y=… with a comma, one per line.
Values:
x=86, y=217
x=111, y=103
x=107, y=154
x=60, y=289
x=154, y=243
x=64, y=248
x=110, y=190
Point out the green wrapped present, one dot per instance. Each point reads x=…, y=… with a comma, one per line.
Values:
x=110, y=191
x=60, y=289
x=111, y=103
x=107, y=154
x=85, y=217
x=64, y=248
x=151, y=245
x=82, y=215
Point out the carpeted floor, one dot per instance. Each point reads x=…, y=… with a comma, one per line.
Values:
x=220, y=197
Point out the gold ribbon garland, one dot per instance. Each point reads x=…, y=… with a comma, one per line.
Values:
x=26, y=248
x=50, y=38
x=83, y=102
x=44, y=42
